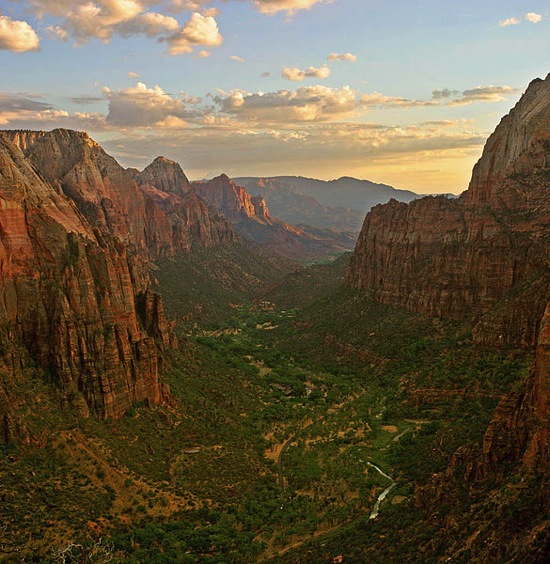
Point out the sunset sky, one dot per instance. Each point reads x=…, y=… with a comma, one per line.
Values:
x=401, y=92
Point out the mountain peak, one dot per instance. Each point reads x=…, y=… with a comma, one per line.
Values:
x=165, y=175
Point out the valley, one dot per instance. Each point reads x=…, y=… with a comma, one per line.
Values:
x=184, y=378
x=282, y=377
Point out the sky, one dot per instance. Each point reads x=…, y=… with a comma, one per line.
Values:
x=395, y=91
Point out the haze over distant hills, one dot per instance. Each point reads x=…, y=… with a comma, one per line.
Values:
x=337, y=204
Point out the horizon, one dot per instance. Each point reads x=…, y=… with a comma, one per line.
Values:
x=399, y=95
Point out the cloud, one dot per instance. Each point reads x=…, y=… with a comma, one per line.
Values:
x=133, y=74
x=383, y=101
x=24, y=112
x=342, y=57
x=103, y=19
x=140, y=106
x=311, y=103
x=485, y=94
x=509, y=21
x=533, y=17
x=86, y=99
x=149, y=24
x=293, y=73
x=199, y=30
x=237, y=59
x=288, y=6
x=15, y=102
x=17, y=36
x=443, y=94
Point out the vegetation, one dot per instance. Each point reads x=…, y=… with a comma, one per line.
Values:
x=304, y=387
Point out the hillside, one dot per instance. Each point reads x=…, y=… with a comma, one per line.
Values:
x=337, y=204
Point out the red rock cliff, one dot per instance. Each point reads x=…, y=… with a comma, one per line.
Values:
x=484, y=258
x=74, y=296
x=481, y=257
x=109, y=197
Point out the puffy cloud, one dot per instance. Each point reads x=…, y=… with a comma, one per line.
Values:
x=288, y=6
x=57, y=32
x=102, y=19
x=293, y=73
x=140, y=106
x=17, y=36
x=533, y=17
x=342, y=57
x=509, y=21
x=311, y=103
x=199, y=30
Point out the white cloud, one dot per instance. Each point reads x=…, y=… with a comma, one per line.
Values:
x=17, y=36
x=198, y=30
x=509, y=21
x=140, y=106
x=296, y=74
x=133, y=74
x=311, y=103
x=57, y=32
x=342, y=57
x=533, y=17
x=288, y=6
x=237, y=59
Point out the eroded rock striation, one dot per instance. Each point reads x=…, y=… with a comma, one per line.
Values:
x=68, y=294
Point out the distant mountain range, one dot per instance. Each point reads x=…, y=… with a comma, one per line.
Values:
x=335, y=204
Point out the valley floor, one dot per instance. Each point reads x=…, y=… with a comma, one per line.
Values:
x=290, y=415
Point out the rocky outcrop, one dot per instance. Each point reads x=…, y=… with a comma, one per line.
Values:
x=483, y=257
x=165, y=175
x=71, y=293
x=231, y=200
x=251, y=218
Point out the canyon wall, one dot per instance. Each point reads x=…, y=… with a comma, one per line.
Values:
x=483, y=258
x=77, y=235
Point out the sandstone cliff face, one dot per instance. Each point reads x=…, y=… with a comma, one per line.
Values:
x=146, y=217
x=188, y=219
x=481, y=257
x=69, y=294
